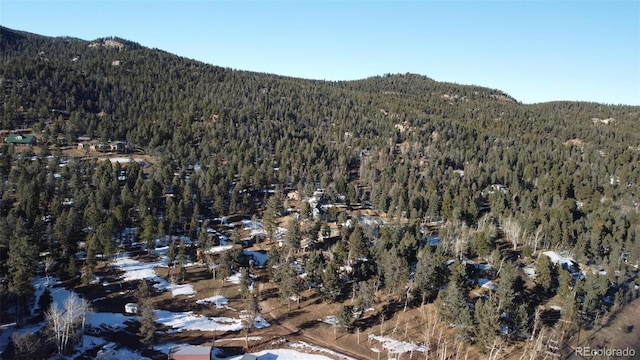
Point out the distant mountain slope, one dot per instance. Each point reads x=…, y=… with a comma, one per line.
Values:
x=116, y=89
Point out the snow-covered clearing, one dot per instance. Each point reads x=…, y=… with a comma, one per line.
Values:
x=120, y=354
x=395, y=346
x=181, y=321
x=138, y=270
x=279, y=354
x=219, y=300
x=219, y=249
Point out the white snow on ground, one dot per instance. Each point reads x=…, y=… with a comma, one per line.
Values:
x=395, y=346
x=255, y=227
x=89, y=342
x=166, y=347
x=279, y=354
x=250, y=338
x=258, y=322
x=181, y=321
x=565, y=262
x=40, y=284
x=110, y=321
x=185, y=289
x=218, y=249
x=487, y=284
x=259, y=257
x=138, y=270
x=530, y=271
x=120, y=354
x=162, y=250
x=309, y=347
x=219, y=300
x=331, y=320
x=234, y=279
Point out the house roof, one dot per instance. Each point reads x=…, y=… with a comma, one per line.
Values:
x=249, y=357
x=193, y=350
x=20, y=139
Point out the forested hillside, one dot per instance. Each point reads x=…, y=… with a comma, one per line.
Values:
x=484, y=168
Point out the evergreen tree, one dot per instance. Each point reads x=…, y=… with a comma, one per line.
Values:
x=331, y=285
x=546, y=275
x=453, y=301
x=358, y=247
x=147, y=316
x=21, y=264
x=430, y=274
x=487, y=316
x=270, y=215
x=182, y=259
x=148, y=234
x=506, y=293
x=293, y=237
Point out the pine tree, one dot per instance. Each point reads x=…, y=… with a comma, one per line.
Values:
x=344, y=317
x=546, y=275
x=147, y=316
x=293, y=237
x=182, y=259
x=270, y=215
x=430, y=275
x=357, y=244
x=487, y=316
x=452, y=301
x=331, y=286
x=148, y=234
x=21, y=264
x=506, y=295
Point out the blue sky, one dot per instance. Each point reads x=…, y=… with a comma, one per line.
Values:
x=535, y=51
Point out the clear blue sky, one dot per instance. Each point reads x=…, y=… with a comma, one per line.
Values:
x=534, y=50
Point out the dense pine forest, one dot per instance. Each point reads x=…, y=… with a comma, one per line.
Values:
x=493, y=180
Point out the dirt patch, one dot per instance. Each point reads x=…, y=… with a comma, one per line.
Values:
x=622, y=331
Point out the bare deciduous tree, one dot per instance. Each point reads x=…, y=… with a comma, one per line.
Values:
x=67, y=323
x=512, y=230
x=28, y=345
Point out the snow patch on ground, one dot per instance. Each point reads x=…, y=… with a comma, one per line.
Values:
x=279, y=354
x=109, y=321
x=185, y=289
x=219, y=301
x=234, y=279
x=395, y=346
x=138, y=270
x=309, y=347
x=250, y=338
x=120, y=354
x=181, y=321
x=487, y=284
x=259, y=257
x=331, y=320
x=218, y=249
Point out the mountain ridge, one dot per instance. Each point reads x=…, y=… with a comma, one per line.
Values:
x=132, y=45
